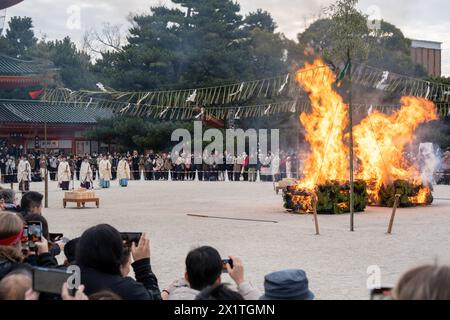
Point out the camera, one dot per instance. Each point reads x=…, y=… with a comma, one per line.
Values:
x=129, y=237
x=224, y=264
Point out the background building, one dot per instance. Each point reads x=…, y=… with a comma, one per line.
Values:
x=428, y=54
x=25, y=122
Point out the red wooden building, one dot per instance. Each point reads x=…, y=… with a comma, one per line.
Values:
x=25, y=122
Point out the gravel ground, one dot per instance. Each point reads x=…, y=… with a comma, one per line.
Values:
x=336, y=261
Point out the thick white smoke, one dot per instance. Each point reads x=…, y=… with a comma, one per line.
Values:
x=429, y=162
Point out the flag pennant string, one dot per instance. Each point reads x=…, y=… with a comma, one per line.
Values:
x=254, y=98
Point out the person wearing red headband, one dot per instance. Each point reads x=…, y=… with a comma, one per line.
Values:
x=11, y=256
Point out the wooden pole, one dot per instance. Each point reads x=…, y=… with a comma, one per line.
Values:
x=46, y=169
x=394, y=209
x=316, y=220
x=227, y=218
x=350, y=114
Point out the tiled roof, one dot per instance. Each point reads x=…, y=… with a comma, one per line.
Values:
x=14, y=67
x=25, y=111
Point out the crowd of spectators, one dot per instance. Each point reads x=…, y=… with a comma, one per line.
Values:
x=105, y=261
x=210, y=166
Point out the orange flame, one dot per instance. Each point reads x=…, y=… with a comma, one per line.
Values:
x=380, y=141
x=379, y=138
x=324, y=126
x=421, y=197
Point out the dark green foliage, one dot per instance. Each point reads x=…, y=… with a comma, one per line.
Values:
x=201, y=43
x=386, y=48
x=405, y=189
x=333, y=198
x=136, y=133
x=19, y=40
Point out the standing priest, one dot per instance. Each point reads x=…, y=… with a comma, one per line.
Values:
x=104, y=168
x=86, y=174
x=64, y=174
x=24, y=174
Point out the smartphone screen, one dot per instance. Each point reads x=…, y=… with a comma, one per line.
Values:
x=49, y=280
x=130, y=237
x=24, y=238
x=34, y=233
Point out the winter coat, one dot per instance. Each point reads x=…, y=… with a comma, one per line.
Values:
x=145, y=287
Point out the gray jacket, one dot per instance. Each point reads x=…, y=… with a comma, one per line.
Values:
x=246, y=290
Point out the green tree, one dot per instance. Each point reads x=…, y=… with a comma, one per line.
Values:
x=201, y=43
x=74, y=66
x=385, y=47
x=19, y=39
x=260, y=19
x=128, y=133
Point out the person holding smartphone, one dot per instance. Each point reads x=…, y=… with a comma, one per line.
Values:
x=54, y=248
x=11, y=256
x=100, y=256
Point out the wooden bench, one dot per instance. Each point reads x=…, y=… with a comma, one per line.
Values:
x=81, y=202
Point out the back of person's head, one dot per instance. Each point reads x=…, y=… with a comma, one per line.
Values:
x=15, y=284
x=220, y=292
x=104, y=295
x=203, y=267
x=100, y=248
x=424, y=283
x=289, y=284
x=8, y=195
x=32, y=202
x=70, y=251
x=38, y=218
x=11, y=229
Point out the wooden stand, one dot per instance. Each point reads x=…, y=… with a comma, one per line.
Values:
x=81, y=202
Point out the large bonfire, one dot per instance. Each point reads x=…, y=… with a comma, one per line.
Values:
x=379, y=146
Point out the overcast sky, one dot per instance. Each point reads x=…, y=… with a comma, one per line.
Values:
x=418, y=19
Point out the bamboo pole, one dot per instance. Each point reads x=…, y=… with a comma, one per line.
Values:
x=394, y=209
x=350, y=112
x=227, y=218
x=46, y=169
x=316, y=220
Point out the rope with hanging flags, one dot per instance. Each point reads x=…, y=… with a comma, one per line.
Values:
x=296, y=106
x=280, y=87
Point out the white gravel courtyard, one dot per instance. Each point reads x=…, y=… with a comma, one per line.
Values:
x=336, y=261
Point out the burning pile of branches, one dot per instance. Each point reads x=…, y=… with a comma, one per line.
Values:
x=333, y=197
x=379, y=141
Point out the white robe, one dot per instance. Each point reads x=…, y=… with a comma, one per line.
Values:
x=104, y=169
x=63, y=172
x=85, y=172
x=23, y=171
x=123, y=170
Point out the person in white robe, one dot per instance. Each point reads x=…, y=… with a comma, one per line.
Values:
x=123, y=172
x=104, y=168
x=86, y=174
x=64, y=174
x=24, y=174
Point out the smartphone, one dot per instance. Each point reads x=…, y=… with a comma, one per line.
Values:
x=224, y=264
x=384, y=293
x=34, y=233
x=25, y=239
x=130, y=237
x=53, y=237
x=49, y=280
